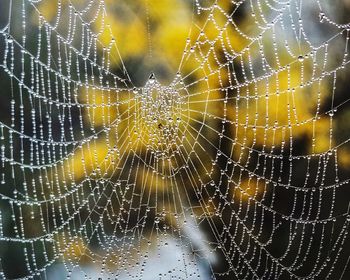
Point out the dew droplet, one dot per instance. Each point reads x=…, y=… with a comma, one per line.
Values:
x=9, y=39
x=321, y=17
x=152, y=79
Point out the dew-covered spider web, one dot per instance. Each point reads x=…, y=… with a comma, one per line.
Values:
x=238, y=168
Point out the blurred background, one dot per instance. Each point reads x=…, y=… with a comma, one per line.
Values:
x=249, y=178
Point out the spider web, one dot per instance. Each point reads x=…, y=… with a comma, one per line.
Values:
x=97, y=172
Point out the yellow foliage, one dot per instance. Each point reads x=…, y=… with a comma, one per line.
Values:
x=264, y=113
x=129, y=31
x=272, y=112
x=344, y=157
x=89, y=157
x=268, y=112
x=249, y=189
x=148, y=179
x=49, y=9
x=73, y=247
